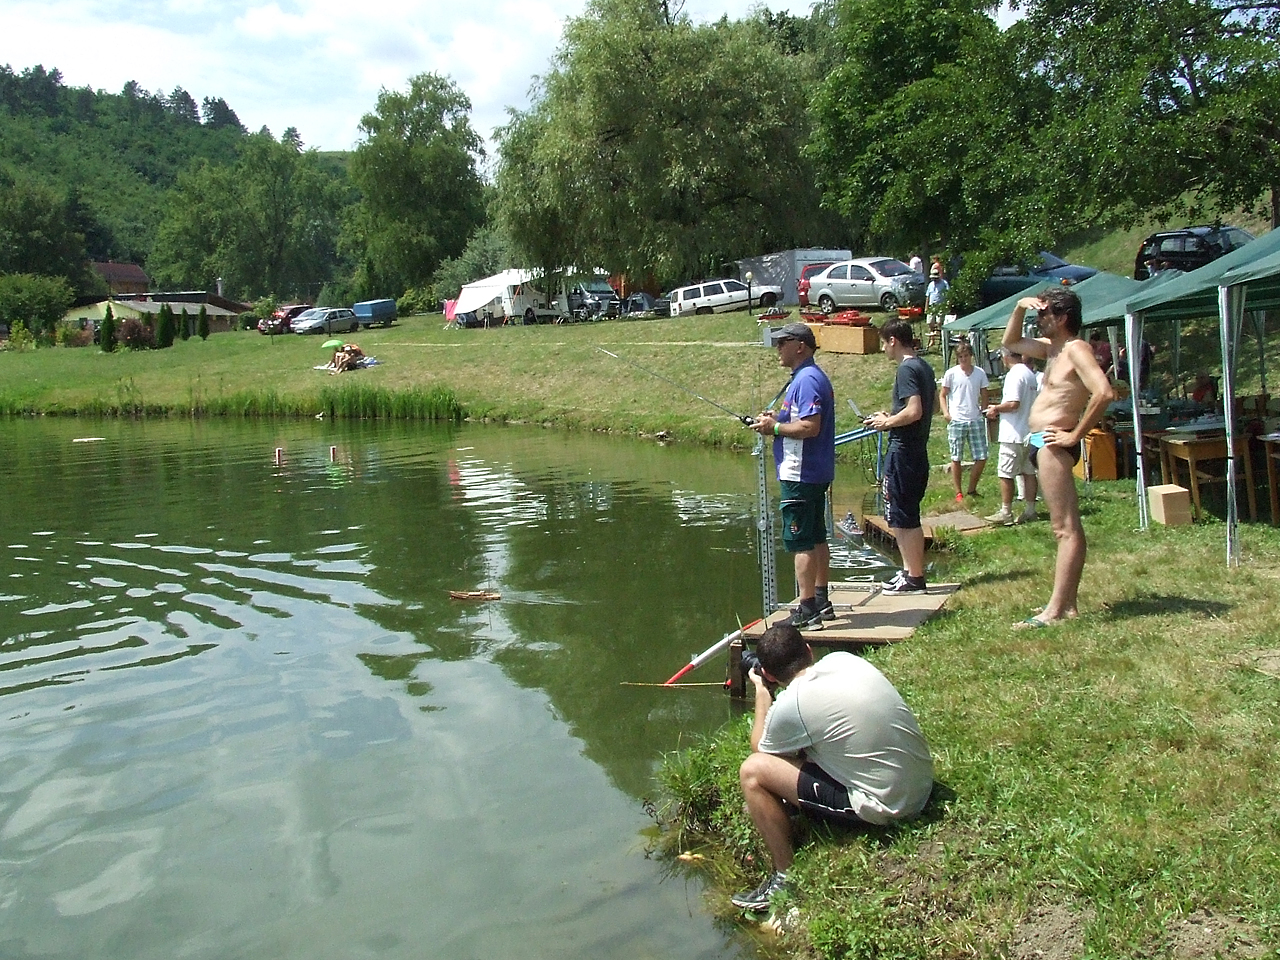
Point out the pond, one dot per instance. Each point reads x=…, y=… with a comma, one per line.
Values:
x=243, y=718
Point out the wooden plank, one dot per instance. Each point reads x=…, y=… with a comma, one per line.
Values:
x=864, y=615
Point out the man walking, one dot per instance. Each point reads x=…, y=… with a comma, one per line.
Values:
x=838, y=743
x=906, y=465
x=804, y=451
x=962, y=399
x=1014, y=458
x=1073, y=399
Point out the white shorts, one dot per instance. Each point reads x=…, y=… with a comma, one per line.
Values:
x=1015, y=460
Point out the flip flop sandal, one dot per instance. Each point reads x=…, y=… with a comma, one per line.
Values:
x=1031, y=623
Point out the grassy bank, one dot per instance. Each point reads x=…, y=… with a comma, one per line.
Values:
x=1108, y=786
x=548, y=374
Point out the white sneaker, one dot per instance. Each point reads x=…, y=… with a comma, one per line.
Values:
x=1002, y=517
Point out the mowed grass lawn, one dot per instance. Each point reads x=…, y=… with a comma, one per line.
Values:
x=1109, y=786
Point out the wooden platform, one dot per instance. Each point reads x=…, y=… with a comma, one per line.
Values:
x=864, y=615
x=959, y=520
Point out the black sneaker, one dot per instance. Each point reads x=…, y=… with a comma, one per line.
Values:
x=903, y=583
x=805, y=616
x=828, y=612
x=758, y=899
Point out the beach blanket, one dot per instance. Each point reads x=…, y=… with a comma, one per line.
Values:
x=362, y=362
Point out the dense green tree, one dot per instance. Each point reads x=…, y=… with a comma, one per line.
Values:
x=38, y=233
x=487, y=252
x=107, y=330
x=267, y=223
x=421, y=193
x=184, y=325
x=659, y=147
x=202, y=323
x=35, y=301
x=1156, y=99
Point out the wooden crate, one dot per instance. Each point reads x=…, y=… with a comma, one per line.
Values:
x=849, y=339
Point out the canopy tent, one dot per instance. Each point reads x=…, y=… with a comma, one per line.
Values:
x=483, y=292
x=1218, y=288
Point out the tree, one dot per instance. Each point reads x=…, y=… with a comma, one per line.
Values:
x=266, y=224
x=202, y=323
x=107, y=331
x=216, y=114
x=38, y=233
x=38, y=302
x=487, y=252
x=184, y=325
x=660, y=147
x=182, y=106
x=421, y=193
x=1163, y=98
x=165, y=327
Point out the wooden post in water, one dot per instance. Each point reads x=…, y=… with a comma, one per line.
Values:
x=737, y=678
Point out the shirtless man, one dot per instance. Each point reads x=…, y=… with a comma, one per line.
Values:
x=1074, y=397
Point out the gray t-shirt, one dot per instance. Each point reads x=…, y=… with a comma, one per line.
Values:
x=848, y=719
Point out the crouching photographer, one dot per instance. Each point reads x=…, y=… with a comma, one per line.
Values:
x=838, y=742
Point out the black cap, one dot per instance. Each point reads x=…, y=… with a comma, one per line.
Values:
x=795, y=331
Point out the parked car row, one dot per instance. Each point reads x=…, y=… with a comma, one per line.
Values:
x=1186, y=249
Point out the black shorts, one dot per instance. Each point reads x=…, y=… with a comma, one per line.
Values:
x=1035, y=449
x=906, y=475
x=824, y=797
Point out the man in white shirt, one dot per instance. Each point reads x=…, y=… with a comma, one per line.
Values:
x=838, y=743
x=961, y=400
x=1014, y=458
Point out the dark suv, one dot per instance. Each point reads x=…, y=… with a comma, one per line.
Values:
x=1187, y=248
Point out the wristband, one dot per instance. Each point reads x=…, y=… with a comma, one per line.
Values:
x=775, y=427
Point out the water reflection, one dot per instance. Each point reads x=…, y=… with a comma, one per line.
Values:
x=243, y=717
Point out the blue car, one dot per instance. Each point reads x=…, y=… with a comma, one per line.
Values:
x=1007, y=280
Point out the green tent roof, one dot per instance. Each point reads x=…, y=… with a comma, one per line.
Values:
x=1099, y=289
x=1262, y=277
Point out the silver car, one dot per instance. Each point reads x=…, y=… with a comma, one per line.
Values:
x=326, y=320
x=867, y=282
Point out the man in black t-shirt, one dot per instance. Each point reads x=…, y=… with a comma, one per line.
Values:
x=906, y=466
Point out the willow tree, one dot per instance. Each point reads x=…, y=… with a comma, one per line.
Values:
x=655, y=146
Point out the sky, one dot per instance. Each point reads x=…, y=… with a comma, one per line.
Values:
x=312, y=64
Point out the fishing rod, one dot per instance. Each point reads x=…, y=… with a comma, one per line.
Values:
x=710, y=652
x=745, y=421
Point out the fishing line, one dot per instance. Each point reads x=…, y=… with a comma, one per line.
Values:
x=744, y=420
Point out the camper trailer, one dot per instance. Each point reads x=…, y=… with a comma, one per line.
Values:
x=511, y=297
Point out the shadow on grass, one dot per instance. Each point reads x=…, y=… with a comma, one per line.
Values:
x=1149, y=605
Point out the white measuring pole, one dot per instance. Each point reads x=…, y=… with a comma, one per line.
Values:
x=764, y=527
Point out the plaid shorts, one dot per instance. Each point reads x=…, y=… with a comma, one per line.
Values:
x=973, y=431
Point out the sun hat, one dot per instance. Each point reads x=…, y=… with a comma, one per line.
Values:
x=794, y=331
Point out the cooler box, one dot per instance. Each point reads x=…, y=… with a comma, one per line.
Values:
x=849, y=339
x=1170, y=504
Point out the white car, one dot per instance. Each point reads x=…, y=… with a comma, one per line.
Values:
x=721, y=296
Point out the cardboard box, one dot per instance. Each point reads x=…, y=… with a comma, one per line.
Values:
x=1170, y=504
x=841, y=339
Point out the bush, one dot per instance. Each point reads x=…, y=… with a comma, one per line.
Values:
x=74, y=336
x=165, y=324
x=39, y=303
x=184, y=325
x=418, y=300
x=338, y=293
x=20, y=337
x=136, y=335
x=248, y=320
x=202, y=323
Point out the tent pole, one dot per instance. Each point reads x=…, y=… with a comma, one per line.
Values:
x=1133, y=337
x=1230, y=313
